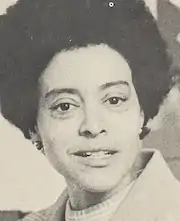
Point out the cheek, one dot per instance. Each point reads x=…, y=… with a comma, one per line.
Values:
x=57, y=138
x=54, y=128
x=124, y=131
x=58, y=135
x=128, y=123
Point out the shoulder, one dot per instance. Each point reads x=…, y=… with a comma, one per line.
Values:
x=11, y=215
x=52, y=213
x=156, y=192
x=42, y=215
x=165, y=189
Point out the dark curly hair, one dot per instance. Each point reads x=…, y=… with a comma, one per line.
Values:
x=33, y=31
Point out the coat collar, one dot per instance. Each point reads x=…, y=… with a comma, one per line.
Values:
x=152, y=193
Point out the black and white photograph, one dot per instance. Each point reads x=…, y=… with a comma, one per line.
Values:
x=90, y=110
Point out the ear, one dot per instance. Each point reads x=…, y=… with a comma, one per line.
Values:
x=141, y=121
x=143, y=130
x=36, y=139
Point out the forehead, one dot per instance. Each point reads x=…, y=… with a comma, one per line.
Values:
x=86, y=67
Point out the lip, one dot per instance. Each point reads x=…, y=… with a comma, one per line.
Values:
x=95, y=157
x=86, y=153
x=92, y=149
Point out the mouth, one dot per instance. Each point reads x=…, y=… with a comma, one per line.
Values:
x=95, y=154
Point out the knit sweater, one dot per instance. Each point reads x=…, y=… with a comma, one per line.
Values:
x=102, y=211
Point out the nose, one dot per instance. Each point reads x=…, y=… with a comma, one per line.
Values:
x=92, y=126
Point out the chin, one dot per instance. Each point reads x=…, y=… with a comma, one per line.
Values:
x=100, y=186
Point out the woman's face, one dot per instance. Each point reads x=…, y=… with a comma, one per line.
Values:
x=89, y=116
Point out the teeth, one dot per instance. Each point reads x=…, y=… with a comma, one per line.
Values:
x=100, y=154
x=95, y=154
x=88, y=154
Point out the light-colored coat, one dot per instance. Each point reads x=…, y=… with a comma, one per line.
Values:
x=155, y=196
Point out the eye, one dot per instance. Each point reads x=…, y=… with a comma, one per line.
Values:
x=64, y=106
x=115, y=101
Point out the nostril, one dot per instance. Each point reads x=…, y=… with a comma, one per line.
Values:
x=89, y=134
x=103, y=131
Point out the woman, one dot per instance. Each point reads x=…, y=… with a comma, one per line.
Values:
x=81, y=79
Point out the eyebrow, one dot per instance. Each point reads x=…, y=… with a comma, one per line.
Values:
x=74, y=91
x=111, y=84
x=58, y=91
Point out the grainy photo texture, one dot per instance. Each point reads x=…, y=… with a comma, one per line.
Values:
x=93, y=87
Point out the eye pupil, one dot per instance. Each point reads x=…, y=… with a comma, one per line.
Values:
x=113, y=100
x=64, y=106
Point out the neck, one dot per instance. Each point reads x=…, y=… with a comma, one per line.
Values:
x=81, y=199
